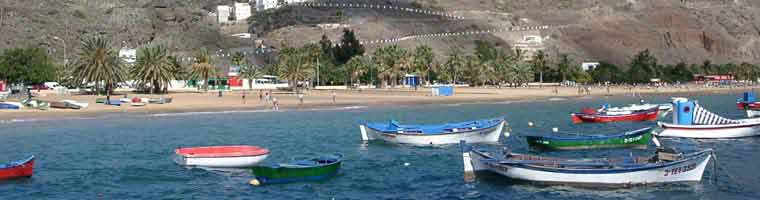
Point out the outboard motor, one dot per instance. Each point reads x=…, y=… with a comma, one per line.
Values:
x=684, y=111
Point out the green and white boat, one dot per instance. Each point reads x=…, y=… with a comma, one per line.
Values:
x=298, y=169
x=636, y=138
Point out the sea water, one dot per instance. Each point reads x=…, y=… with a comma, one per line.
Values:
x=129, y=156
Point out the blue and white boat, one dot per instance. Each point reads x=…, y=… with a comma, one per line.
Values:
x=666, y=166
x=690, y=120
x=478, y=131
x=10, y=105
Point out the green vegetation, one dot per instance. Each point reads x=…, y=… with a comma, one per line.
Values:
x=203, y=67
x=99, y=63
x=26, y=66
x=153, y=68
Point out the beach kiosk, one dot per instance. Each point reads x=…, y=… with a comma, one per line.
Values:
x=412, y=80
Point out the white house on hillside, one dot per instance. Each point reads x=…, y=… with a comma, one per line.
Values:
x=223, y=14
x=242, y=11
x=262, y=5
x=128, y=55
x=589, y=65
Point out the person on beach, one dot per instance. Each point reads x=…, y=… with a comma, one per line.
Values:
x=333, y=96
x=244, y=97
x=267, y=97
x=275, y=104
x=261, y=96
x=300, y=98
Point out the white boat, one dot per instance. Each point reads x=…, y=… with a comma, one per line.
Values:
x=81, y=105
x=664, y=109
x=753, y=113
x=479, y=131
x=692, y=121
x=221, y=156
x=137, y=104
x=666, y=166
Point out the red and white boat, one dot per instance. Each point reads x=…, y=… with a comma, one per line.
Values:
x=17, y=169
x=747, y=102
x=590, y=115
x=221, y=156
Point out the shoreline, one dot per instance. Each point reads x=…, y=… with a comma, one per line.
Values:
x=191, y=103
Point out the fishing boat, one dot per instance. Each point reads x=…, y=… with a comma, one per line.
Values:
x=690, y=120
x=299, y=169
x=747, y=102
x=221, y=156
x=664, y=109
x=80, y=105
x=636, y=138
x=161, y=100
x=486, y=130
x=101, y=100
x=10, y=105
x=590, y=115
x=113, y=102
x=666, y=166
x=63, y=105
x=36, y=104
x=137, y=102
x=17, y=169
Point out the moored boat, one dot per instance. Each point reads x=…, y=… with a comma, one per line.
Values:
x=161, y=100
x=589, y=115
x=636, y=138
x=666, y=166
x=80, y=105
x=752, y=113
x=37, y=104
x=747, y=102
x=113, y=102
x=486, y=130
x=17, y=169
x=63, y=105
x=690, y=120
x=138, y=102
x=221, y=156
x=664, y=109
x=299, y=169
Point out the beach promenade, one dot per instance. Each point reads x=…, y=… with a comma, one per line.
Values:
x=234, y=101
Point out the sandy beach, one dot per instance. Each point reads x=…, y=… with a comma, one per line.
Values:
x=233, y=101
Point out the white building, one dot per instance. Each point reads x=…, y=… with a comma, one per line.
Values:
x=223, y=14
x=262, y=5
x=586, y=66
x=242, y=11
x=128, y=55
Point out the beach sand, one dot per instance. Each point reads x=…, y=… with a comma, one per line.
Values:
x=233, y=101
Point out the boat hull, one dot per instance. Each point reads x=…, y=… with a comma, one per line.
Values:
x=222, y=162
x=626, y=140
x=710, y=131
x=269, y=175
x=485, y=135
x=682, y=171
x=598, y=118
x=753, y=113
x=746, y=105
x=24, y=168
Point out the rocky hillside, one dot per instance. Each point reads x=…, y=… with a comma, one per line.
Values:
x=610, y=30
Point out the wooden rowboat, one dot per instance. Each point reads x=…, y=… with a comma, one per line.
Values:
x=591, y=116
x=486, y=130
x=636, y=138
x=17, y=169
x=300, y=169
x=221, y=156
x=665, y=166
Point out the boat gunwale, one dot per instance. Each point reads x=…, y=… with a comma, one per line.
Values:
x=259, y=152
x=633, y=133
x=17, y=163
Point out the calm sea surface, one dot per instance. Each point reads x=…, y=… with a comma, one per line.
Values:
x=129, y=156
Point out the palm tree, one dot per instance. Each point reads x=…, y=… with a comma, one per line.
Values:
x=238, y=59
x=388, y=63
x=356, y=67
x=251, y=73
x=154, y=67
x=539, y=64
x=203, y=67
x=423, y=60
x=295, y=65
x=522, y=73
x=99, y=63
x=454, y=65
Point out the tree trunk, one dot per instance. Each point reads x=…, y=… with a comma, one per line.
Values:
x=250, y=84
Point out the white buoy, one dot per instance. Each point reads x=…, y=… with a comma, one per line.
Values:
x=255, y=182
x=406, y=164
x=555, y=129
x=530, y=124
